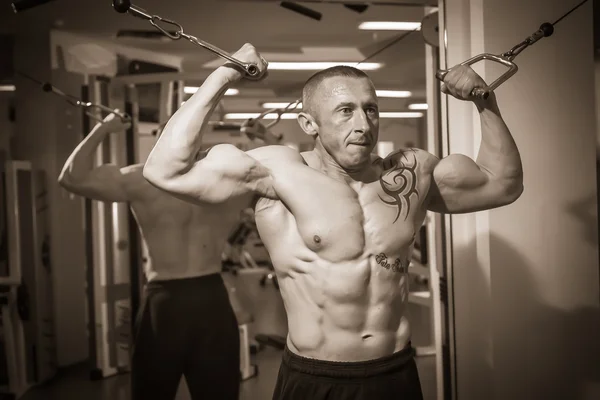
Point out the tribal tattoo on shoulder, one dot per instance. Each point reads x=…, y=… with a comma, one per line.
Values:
x=399, y=181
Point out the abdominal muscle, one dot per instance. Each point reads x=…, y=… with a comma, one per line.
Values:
x=350, y=311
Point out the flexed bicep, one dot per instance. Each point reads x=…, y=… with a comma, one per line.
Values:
x=460, y=185
x=221, y=174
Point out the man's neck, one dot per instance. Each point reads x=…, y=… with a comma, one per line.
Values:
x=326, y=164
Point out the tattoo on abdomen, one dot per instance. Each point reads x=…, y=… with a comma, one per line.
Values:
x=397, y=266
x=403, y=184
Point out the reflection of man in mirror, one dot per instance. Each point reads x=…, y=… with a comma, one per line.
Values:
x=186, y=325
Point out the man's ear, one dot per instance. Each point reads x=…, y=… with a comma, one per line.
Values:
x=308, y=124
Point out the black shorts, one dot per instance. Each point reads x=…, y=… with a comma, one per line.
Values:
x=392, y=377
x=186, y=327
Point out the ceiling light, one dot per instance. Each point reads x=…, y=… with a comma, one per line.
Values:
x=7, y=88
x=255, y=115
x=280, y=105
x=418, y=106
x=393, y=93
x=306, y=66
x=194, y=89
x=389, y=26
x=400, y=115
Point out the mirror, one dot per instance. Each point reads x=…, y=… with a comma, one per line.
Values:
x=154, y=75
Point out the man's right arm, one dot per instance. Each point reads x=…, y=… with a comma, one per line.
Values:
x=105, y=182
x=224, y=172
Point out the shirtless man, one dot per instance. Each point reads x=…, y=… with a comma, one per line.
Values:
x=338, y=222
x=185, y=325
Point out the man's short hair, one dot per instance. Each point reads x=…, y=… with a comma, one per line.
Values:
x=311, y=85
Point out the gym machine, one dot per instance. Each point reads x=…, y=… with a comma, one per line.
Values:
x=111, y=246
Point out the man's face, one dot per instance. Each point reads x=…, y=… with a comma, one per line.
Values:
x=347, y=116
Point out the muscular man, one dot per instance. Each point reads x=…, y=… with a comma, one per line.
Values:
x=338, y=222
x=185, y=325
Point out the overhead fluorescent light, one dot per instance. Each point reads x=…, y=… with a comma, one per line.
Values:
x=392, y=114
x=418, y=106
x=255, y=115
x=280, y=105
x=7, y=88
x=393, y=93
x=310, y=66
x=194, y=89
x=389, y=26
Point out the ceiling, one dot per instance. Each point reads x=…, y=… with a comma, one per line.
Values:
x=278, y=33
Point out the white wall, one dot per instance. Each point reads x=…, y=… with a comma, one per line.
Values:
x=526, y=276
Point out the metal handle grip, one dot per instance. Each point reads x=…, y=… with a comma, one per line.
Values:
x=483, y=93
x=251, y=70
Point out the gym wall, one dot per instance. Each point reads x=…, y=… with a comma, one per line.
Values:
x=45, y=132
x=526, y=276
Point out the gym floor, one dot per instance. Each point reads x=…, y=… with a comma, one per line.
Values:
x=74, y=384
x=266, y=306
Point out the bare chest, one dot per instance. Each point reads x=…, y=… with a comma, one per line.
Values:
x=341, y=222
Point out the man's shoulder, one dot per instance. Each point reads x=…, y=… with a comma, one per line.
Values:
x=275, y=153
x=411, y=157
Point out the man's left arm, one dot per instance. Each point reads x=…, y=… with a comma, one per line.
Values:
x=461, y=185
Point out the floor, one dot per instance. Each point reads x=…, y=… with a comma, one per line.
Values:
x=74, y=383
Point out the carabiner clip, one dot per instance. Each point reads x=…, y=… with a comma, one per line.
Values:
x=174, y=36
